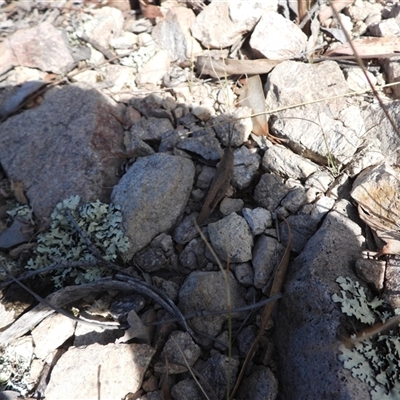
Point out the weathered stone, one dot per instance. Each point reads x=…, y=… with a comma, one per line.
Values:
x=294, y=199
x=66, y=153
x=106, y=24
x=192, y=257
x=260, y=385
x=150, y=128
x=173, y=34
x=308, y=319
x=52, y=333
x=228, y=206
x=207, y=291
x=150, y=260
x=231, y=238
x=119, y=368
x=179, y=350
x=203, y=143
x=243, y=273
x=154, y=70
x=245, y=168
x=153, y=195
x=267, y=254
x=371, y=270
x=326, y=132
x=258, y=219
x=41, y=47
x=277, y=38
x=283, y=162
x=218, y=370
x=187, y=389
x=270, y=191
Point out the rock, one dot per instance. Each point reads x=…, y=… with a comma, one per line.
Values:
x=213, y=27
x=246, y=14
x=205, y=177
x=186, y=230
x=245, y=168
x=151, y=260
x=270, y=191
x=17, y=233
x=9, y=395
x=203, y=143
x=281, y=161
x=229, y=206
x=51, y=333
x=277, y=38
x=64, y=153
x=217, y=370
x=320, y=181
x=302, y=227
x=86, y=335
x=260, y=385
x=308, y=133
x=187, y=389
x=158, y=189
x=237, y=133
x=154, y=70
x=207, y=291
x=41, y=47
x=294, y=199
x=392, y=69
x=258, y=219
x=243, y=273
x=356, y=79
x=387, y=27
x=308, y=319
x=371, y=270
x=107, y=24
x=180, y=350
x=321, y=207
x=136, y=147
x=192, y=257
x=173, y=34
x=231, y=238
x=110, y=371
x=150, y=128
x=267, y=255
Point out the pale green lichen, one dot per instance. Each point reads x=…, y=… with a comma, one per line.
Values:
x=375, y=360
x=14, y=371
x=62, y=242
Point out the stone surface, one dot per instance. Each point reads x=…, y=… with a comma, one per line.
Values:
x=260, y=385
x=258, y=219
x=41, y=47
x=51, y=333
x=269, y=191
x=203, y=143
x=154, y=70
x=129, y=363
x=71, y=151
x=207, y=291
x=180, y=350
x=231, y=238
x=267, y=254
x=150, y=128
x=308, y=320
x=173, y=34
x=328, y=131
x=277, y=38
x=245, y=167
x=153, y=195
x=283, y=162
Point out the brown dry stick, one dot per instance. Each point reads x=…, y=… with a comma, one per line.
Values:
x=219, y=185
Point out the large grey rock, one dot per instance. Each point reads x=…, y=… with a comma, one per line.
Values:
x=153, y=195
x=277, y=38
x=327, y=131
x=308, y=320
x=108, y=372
x=270, y=191
x=260, y=385
x=66, y=146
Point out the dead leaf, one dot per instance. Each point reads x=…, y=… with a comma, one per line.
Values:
x=18, y=190
x=218, y=186
x=148, y=10
x=252, y=96
x=226, y=67
x=337, y=4
x=369, y=47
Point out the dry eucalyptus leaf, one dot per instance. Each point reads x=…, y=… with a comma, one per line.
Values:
x=252, y=96
x=373, y=47
x=226, y=67
x=377, y=192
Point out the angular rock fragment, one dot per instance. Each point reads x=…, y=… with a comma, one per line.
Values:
x=153, y=195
